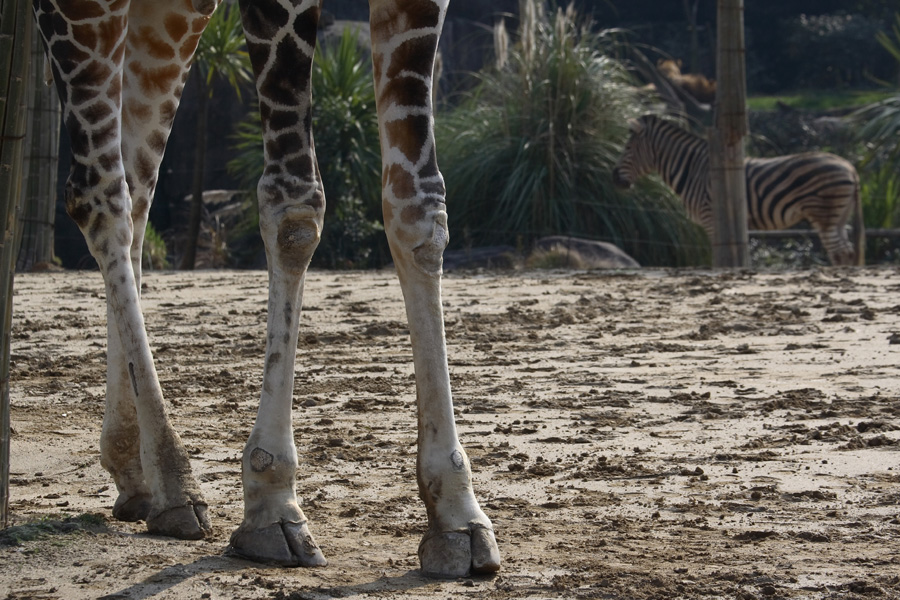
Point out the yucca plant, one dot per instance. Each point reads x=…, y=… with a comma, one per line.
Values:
x=347, y=149
x=880, y=192
x=529, y=152
x=349, y=155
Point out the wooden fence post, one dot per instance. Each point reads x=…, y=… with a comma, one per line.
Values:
x=726, y=150
x=38, y=217
x=15, y=43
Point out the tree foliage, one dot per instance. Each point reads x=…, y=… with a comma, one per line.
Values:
x=878, y=127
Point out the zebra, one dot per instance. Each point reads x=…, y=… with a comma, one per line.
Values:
x=816, y=186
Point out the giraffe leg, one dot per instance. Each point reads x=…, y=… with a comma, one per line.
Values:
x=281, y=41
x=87, y=44
x=460, y=537
x=120, y=438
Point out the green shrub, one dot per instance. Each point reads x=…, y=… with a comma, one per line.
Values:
x=155, y=253
x=530, y=151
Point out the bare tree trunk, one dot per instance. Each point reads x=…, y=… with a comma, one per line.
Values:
x=726, y=156
x=15, y=33
x=37, y=224
x=189, y=258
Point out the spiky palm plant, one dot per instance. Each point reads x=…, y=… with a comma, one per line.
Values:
x=529, y=152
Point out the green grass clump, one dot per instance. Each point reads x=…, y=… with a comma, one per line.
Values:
x=52, y=526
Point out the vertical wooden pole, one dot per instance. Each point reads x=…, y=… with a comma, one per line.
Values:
x=37, y=221
x=726, y=157
x=15, y=31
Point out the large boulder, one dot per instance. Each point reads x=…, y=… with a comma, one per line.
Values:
x=580, y=253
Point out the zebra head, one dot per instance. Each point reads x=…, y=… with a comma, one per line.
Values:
x=636, y=158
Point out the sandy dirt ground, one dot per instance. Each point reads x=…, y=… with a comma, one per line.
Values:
x=652, y=434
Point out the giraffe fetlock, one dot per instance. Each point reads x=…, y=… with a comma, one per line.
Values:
x=274, y=529
x=460, y=537
x=120, y=455
x=178, y=509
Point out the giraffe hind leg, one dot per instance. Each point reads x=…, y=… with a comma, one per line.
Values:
x=88, y=70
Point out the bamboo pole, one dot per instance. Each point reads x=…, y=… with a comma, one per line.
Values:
x=726, y=156
x=15, y=31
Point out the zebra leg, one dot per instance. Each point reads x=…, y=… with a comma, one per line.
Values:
x=837, y=245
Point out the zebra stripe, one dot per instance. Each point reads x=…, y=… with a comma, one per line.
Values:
x=818, y=187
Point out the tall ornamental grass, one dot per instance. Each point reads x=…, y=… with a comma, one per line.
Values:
x=529, y=151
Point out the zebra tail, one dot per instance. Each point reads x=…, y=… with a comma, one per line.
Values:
x=859, y=229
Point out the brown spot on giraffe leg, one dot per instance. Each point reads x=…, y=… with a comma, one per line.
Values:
x=260, y=460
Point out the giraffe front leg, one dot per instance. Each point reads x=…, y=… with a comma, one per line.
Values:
x=291, y=210
x=274, y=529
x=460, y=538
x=120, y=439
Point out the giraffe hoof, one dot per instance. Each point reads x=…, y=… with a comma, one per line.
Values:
x=189, y=522
x=286, y=544
x=452, y=554
x=133, y=508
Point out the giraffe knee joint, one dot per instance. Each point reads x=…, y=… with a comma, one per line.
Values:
x=429, y=255
x=297, y=239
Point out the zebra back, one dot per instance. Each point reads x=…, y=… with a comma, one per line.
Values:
x=784, y=190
